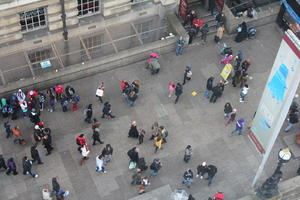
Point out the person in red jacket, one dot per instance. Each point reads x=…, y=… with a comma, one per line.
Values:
x=219, y=196
x=80, y=140
x=197, y=23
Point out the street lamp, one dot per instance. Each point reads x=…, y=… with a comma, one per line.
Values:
x=270, y=187
x=63, y=17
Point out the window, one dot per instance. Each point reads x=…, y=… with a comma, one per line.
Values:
x=34, y=19
x=93, y=44
x=37, y=56
x=144, y=27
x=86, y=7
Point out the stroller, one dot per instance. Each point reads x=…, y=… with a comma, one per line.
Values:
x=141, y=165
x=251, y=32
x=153, y=64
x=226, y=50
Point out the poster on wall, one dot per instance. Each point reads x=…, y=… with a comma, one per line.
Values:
x=182, y=9
x=278, y=93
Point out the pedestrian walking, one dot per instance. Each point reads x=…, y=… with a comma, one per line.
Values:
x=133, y=154
x=24, y=107
x=220, y=33
x=100, y=92
x=96, y=132
x=88, y=114
x=179, y=47
x=106, y=111
x=239, y=125
x=164, y=134
x=155, y=166
x=209, y=87
x=64, y=103
x=217, y=92
x=52, y=103
x=107, y=151
x=244, y=92
x=59, y=194
x=144, y=184
x=171, y=88
x=34, y=116
x=133, y=132
x=100, y=164
x=42, y=100
x=155, y=130
x=178, y=91
x=7, y=129
x=75, y=100
x=201, y=170
x=227, y=110
x=18, y=136
x=70, y=92
x=204, y=30
x=187, y=153
x=211, y=6
x=11, y=167
x=131, y=98
x=84, y=152
x=27, y=165
x=293, y=119
x=2, y=163
x=158, y=143
x=187, y=74
x=232, y=116
x=35, y=155
x=47, y=142
x=219, y=196
x=80, y=141
x=141, y=136
x=38, y=134
x=211, y=172
x=188, y=178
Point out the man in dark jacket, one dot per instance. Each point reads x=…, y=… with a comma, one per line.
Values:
x=217, y=92
x=27, y=164
x=134, y=154
x=178, y=91
x=155, y=166
x=34, y=116
x=293, y=119
x=35, y=155
x=96, y=132
x=47, y=142
x=201, y=170
x=209, y=86
x=89, y=114
x=211, y=171
x=188, y=178
x=11, y=165
x=2, y=162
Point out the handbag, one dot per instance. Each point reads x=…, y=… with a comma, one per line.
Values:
x=99, y=92
x=132, y=165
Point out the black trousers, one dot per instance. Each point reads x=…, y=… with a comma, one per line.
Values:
x=213, y=98
x=97, y=139
x=9, y=170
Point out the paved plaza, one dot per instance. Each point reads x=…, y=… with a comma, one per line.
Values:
x=193, y=120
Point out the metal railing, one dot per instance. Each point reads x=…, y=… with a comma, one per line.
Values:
x=65, y=54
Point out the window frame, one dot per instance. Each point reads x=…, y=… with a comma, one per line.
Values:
x=33, y=23
x=80, y=5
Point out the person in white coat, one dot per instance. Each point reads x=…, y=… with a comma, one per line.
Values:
x=100, y=164
x=84, y=152
x=244, y=92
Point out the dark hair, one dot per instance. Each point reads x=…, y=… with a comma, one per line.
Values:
x=188, y=146
x=81, y=135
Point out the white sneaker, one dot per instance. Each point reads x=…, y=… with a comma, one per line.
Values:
x=197, y=176
x=104, y=172
x=201, y=177
x=36, y=176
x=66, y=193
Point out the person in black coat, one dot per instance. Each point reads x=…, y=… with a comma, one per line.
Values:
x=47, y=142
x=134, y=154
x=227, y=110
x=11, y=165
x=243, y=33
x=106, y=111
x=34, y=116
x=2, y=162
x=89, y=114
x=178, y=91
x=35, y=155
x=27, y=164
x=211, y=171
x=133, y=132
x=56, y=188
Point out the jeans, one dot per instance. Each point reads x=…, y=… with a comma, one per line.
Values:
x=290, y=125
x=38, y=160
x=187, y=182
x=102, y=169
x=179, y=50
x=154, y=173
x=240, y=130
x=206, y=93
x=242, y=95
x=209, y=178
x=29, y=172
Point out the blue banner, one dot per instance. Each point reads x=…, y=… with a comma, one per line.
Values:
x=291, y=11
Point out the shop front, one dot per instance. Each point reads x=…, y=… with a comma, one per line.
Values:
x=289, y=16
